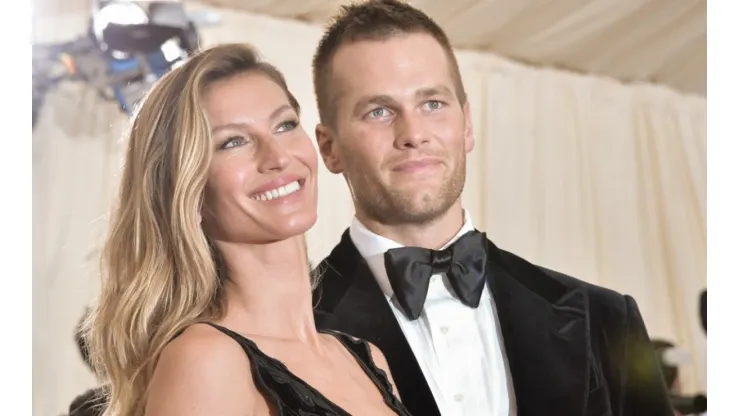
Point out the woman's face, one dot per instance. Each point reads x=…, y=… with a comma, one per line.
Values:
x=262, y=181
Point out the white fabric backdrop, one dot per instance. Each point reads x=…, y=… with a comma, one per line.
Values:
x=600, y=180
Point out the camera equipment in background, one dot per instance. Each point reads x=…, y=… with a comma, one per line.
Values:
x=670, y=358
x=128, y=47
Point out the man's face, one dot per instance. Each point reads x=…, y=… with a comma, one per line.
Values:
x=400, y=135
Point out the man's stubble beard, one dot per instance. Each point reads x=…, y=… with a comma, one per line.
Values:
x=396, y=207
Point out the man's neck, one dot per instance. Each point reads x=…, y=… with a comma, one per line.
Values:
x=433, y=234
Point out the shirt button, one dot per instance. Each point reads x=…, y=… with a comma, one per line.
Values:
x=459, y=397
x=444, y=329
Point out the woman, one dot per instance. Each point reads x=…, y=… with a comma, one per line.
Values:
x=218, y=189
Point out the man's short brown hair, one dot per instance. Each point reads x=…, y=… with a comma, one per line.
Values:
x=374, y=20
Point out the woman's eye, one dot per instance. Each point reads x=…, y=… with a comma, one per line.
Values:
x=287, y=126
x=233, y=142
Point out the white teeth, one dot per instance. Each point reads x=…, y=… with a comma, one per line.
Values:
x=278, y=192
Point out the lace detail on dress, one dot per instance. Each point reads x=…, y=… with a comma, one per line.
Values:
x=291, y=396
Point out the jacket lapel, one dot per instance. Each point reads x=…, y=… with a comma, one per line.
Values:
x=545, y=328
x=350, y=300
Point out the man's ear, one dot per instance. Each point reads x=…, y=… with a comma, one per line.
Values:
x=325, y=138
x=469, y=137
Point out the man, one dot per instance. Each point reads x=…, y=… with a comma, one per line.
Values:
x=467, y=328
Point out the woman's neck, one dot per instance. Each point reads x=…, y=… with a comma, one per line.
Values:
x=268, y=290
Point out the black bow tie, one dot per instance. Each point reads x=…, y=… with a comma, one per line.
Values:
x=410, y=268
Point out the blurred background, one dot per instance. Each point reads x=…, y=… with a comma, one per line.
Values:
x=590, y=157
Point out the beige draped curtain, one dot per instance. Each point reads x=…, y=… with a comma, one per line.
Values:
x=600, y=180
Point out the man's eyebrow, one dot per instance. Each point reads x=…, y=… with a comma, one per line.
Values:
x=388, y=101
x=432, y=91
x=380, y=100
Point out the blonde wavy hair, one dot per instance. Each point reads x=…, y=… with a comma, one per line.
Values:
x=160, y=271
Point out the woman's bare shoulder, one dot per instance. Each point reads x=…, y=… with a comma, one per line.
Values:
x=202, y=372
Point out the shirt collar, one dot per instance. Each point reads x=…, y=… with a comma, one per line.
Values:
x=372, y=247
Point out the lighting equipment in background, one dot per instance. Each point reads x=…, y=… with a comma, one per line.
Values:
x=128, y=47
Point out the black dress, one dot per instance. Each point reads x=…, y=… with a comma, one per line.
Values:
x=289, y=395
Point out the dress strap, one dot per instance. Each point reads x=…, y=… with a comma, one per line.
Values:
x=360, y=349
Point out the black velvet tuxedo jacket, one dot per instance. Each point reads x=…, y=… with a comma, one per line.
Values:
x=573, y=348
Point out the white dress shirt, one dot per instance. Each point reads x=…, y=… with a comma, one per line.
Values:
x=459, y=349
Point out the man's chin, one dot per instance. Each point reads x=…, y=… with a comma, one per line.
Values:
x=421, y=210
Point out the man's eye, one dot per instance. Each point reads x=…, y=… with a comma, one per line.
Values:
x=379, y=112
x=434, y=105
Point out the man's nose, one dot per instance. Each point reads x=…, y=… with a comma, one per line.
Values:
x=411, y=131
